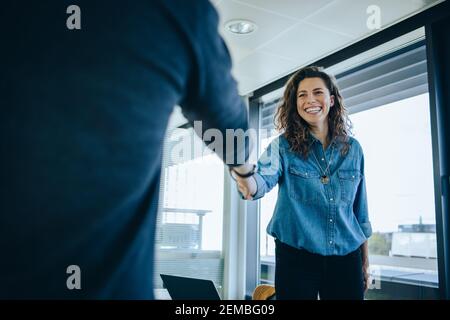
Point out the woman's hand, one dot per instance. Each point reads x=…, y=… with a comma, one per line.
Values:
x=247, y=187
x=365, y=265
x=366, y=275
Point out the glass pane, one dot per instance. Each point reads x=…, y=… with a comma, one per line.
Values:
x=396, y=139
x=267, y=244
x=189, y=228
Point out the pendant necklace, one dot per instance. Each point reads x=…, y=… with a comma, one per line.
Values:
x=324, y=178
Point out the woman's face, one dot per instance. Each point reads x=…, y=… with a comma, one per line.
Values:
x=314, y=101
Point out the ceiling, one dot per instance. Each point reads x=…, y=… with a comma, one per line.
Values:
x=294, y=33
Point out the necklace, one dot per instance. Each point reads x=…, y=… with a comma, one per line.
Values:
x=324, y=178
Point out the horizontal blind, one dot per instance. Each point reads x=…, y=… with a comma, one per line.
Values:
x=267, y=114
x=178, y=239
x=396, y=76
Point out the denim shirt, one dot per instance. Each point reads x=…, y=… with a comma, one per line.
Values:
x=326, y=219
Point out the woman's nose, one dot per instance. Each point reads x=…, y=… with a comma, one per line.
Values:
x=310, y=98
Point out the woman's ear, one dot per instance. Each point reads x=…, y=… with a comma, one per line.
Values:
x=331, y=101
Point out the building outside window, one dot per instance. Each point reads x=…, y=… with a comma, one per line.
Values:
x=396, y=139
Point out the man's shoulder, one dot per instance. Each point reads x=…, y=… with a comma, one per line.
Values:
x=196, y=12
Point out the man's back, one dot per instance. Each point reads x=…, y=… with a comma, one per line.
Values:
x=82, y=119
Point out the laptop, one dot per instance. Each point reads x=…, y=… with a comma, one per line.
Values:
x=182, y=288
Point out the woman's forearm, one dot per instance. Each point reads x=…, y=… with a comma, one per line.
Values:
x=365, y=252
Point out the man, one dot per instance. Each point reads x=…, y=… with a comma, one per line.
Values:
x=86, y=94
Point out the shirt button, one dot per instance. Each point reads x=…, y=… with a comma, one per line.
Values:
x=331, y=242
x=331, y=199
x=331, y=220
x=323, y=159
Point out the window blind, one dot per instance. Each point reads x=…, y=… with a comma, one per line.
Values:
x=396, y=76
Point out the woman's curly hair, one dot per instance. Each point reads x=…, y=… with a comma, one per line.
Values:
x=295, y=129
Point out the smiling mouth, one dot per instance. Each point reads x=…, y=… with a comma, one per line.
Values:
x=313, y=110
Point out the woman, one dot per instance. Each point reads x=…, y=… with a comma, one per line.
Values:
x=320, y=223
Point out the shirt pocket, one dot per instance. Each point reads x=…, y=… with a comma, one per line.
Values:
x=349, y=181
x=305, y=184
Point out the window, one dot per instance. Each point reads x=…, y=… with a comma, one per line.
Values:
x=396, y=139
x=267, y=242
x=387, y=98
x=189, y=225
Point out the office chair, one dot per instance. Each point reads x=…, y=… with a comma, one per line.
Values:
x=264, y=292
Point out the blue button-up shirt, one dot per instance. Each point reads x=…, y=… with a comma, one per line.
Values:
x=326, y=219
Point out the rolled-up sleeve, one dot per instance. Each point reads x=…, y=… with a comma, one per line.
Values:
x=360, y=207
x=270, y=169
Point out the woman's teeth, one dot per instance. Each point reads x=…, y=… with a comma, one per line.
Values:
x=313, y=110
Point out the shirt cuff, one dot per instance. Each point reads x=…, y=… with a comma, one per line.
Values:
x=366, y=228
x=260, y=185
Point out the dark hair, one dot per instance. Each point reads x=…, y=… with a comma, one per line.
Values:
x=296, y=129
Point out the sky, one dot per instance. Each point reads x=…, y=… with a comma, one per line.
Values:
x=396, y=140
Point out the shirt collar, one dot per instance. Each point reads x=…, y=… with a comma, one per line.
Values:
x=313, y=140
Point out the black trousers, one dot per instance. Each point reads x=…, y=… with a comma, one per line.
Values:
x=302, y=275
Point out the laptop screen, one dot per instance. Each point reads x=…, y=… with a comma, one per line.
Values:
x=182, y=288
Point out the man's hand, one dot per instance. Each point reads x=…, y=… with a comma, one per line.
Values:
x=247, y=186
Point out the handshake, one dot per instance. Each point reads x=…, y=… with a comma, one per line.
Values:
x=246, y=183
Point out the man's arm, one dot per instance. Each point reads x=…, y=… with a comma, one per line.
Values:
x=212, y=94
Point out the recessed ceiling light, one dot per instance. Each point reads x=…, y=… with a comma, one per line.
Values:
x=241, y=26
